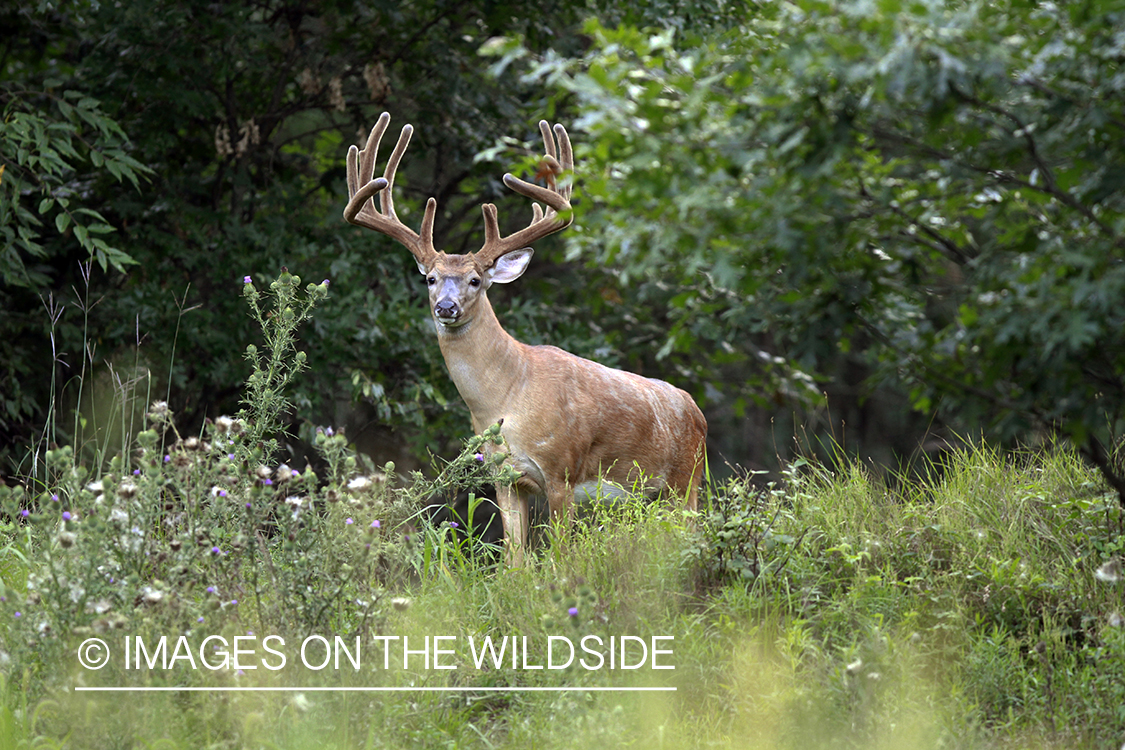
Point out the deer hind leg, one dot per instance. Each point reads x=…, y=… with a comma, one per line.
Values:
x=513, y=514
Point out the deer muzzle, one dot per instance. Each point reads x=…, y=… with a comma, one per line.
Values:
x=447, y=311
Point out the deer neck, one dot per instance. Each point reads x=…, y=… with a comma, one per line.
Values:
x=484, y=362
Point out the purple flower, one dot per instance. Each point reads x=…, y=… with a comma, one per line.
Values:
x=19, y=614
x=25, y=513
x=200, y=620
x=65, y=516
x=167, y=458
x=349, y=522
x=136, y=472
x=479, y=457
x=247, y=280
x=216, y=551
x=375, y=524
x=222, y=493
x=454, y=524
x=54, y=498
x=210, y=589
x=326, y=282
x=573, y=611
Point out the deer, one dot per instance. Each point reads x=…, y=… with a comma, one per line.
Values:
x=571, y=427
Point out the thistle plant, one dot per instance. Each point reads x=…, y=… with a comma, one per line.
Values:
x=265, y=402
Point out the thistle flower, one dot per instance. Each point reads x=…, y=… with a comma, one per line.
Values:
x=1110, y=572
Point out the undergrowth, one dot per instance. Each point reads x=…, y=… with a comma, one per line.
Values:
x=981, y=607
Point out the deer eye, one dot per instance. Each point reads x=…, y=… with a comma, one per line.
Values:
x=430, y=280
x=474, y=282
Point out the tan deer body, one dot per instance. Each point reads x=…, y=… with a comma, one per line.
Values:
x=571, y=425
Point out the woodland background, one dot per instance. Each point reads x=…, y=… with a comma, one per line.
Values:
x=880, y=226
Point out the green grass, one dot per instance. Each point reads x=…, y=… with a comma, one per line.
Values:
x=964, y=613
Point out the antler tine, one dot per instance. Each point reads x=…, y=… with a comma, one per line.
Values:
x=558, y=214
x=362, y=189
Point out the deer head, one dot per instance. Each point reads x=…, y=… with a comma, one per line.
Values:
x=457, y=283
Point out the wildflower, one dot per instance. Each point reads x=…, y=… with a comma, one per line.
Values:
x=479, y=457
x=153, y=596
x=247, y=280
x=136, y=472
x=326, y=282
x=573, y=611
x=453, y=524
x=267, y=482
x=375, y=524
x=1110, y=572
x=199, y=619
x=216, y=551
x=167, y=458
x=67, y=539
x=210, y=589
x=359, y=483
x=19, y=614
x=349, y=522
x=25, y=513
x=54, y=498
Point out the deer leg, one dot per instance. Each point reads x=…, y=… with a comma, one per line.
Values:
x=513, y=514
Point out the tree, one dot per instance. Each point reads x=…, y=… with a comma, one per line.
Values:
x=60, y=153
x=244, y=112
x=935, y=189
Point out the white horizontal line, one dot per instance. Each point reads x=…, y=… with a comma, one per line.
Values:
x=174, y=689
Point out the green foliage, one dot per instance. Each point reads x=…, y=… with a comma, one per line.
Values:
x=50, y=155
x=932, y=189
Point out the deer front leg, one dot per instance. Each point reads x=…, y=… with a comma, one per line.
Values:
x=513, y=514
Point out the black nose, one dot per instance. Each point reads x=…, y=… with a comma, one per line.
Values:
x=446, y=308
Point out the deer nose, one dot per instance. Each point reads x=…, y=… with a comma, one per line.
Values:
x=446, y=308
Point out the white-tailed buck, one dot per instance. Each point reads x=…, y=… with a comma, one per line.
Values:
x=571, y=425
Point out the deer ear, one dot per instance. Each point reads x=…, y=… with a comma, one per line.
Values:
x=510, y=266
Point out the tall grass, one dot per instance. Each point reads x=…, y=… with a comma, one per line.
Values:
x=979, y=608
